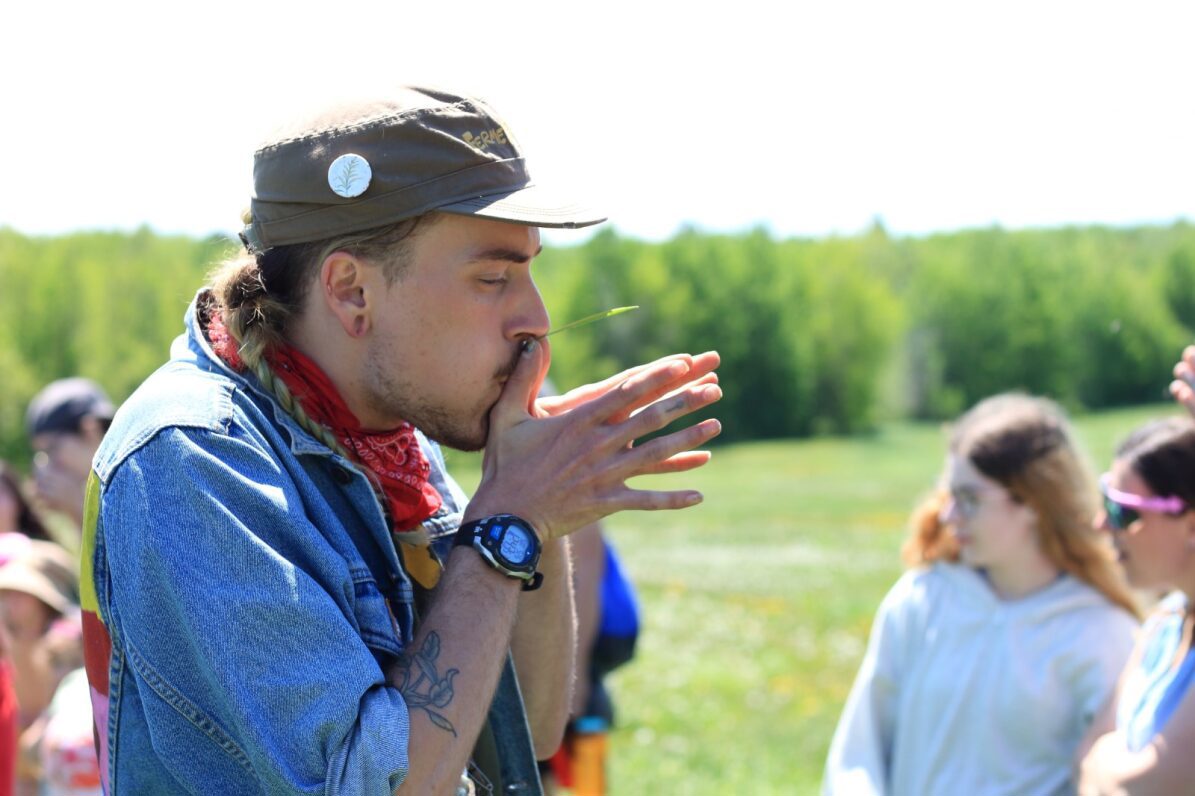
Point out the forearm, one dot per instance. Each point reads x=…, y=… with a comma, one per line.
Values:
x=545, y=648
x=449, y=675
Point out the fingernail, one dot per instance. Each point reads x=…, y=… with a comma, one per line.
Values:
x=693, y=498
x=711, y=392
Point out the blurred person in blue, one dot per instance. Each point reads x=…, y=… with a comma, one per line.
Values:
x=1142, y=742
x=990, y=658
x=284, y=590
x=607, y=633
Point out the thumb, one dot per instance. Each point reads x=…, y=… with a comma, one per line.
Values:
x=519, y=392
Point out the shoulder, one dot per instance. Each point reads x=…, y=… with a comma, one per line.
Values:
x=1081, y=611
x=1087, y=631
x=930, y=581
x=177, y=395
x=1163, y=626
x=916, y=589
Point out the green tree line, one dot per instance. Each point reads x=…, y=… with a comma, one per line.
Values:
x=817, y=336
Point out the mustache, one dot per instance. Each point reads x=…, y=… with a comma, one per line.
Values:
x=505, y=371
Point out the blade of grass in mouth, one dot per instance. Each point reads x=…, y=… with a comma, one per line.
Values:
x=597, y=316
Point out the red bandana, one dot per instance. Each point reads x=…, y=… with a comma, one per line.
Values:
x=393, y=456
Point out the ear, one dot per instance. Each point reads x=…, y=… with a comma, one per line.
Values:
x=347, y=289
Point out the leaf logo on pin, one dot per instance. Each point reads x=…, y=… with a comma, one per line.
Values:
x=349, y=176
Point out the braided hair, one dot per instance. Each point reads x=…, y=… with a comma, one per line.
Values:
x=258, y=293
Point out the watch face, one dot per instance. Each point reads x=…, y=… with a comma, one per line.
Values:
x=515, y=546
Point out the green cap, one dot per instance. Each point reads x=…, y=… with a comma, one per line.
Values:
x=369, y=164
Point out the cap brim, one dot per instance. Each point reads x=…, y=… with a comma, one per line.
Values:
x=17, y=578
x=531, y=205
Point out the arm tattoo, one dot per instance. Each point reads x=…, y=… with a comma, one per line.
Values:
x=426, y=689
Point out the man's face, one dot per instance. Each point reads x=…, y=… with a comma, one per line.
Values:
x=61, y=464
x=447, y=333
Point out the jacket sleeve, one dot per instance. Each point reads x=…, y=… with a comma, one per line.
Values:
x=244, y=650
x=860, y=752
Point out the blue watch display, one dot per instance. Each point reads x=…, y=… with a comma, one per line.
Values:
x=507, y=543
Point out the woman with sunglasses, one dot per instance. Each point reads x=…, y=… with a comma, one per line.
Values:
x=990, y=657
x=1144, y=742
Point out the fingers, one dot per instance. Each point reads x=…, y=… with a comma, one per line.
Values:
x=680, y=463
x=647, y=387
x=1183, y=386
x=700, y=367
x=670, y=453
x=517, y=401
x=588, y=392
x=700, y=372
x=672, y=406
x=1183, y=393
x=652, y=500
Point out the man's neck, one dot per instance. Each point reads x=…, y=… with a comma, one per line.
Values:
x=323, y=341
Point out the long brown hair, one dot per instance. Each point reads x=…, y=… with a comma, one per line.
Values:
x=1026, y=444
x=28, y=521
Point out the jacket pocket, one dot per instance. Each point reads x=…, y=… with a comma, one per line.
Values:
x=376, y=623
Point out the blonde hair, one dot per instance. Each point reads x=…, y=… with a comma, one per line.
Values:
x=1026, y=444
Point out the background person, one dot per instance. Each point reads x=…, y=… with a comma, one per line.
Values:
x=66, y=422
x=17, y=514
x=990, y=657
x=607, y=632
x=1142, y=743
x=19, y=522
x=38, y=594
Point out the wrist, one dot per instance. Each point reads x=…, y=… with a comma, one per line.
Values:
x=508, y=543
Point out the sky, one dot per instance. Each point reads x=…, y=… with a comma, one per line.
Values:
x=805, y=118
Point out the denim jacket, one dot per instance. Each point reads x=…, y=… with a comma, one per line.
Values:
x=242, y=596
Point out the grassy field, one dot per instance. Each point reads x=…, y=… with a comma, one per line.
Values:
x=756, y=605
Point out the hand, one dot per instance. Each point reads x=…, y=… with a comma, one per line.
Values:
x=1183, y=386
x=563, y=462
x=1103, y=756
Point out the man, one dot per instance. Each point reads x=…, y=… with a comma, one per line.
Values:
x=66, y=422
x=276, y=595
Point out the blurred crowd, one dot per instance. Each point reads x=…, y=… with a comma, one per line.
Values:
x=46, y=736
x=1040, y=641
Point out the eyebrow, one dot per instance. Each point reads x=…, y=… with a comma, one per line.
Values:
x=505, y=255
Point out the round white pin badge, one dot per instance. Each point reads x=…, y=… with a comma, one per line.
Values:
x=349, y=175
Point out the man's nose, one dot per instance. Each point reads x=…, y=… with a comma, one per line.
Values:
x=531, y=318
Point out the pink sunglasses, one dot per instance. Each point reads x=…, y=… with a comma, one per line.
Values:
x=1122, y=507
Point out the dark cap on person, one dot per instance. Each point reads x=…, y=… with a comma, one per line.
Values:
x=46, y=571
x=62, y=405
x=368, y=164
